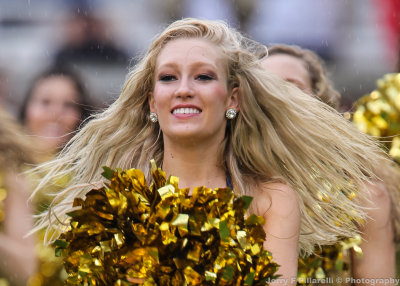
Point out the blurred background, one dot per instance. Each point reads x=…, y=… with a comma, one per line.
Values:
x=101, y=39
x=358, y=39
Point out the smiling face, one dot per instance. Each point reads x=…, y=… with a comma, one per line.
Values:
x=289, y=68
x=52, y=112
x=191, y=93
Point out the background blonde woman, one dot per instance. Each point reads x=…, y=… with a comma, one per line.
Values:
x=282, y=147
x=306, y=70
x=17, y=254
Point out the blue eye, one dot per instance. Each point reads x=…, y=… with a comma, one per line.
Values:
x=204, y=77
x=167, y=78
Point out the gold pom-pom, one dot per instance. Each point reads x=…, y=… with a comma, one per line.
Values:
x=378, y=114
x=328, y=263
x=159, y=235
x=3, y=196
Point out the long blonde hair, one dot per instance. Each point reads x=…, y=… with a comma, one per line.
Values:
x=278, y=133
x=324, y=90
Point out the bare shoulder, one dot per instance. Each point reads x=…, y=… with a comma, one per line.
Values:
x=278, y=203
x=378, y=205
x=277, y=199
x=376, y=190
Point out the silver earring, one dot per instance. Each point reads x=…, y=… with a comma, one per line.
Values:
x=230, y=113
x=153, y=117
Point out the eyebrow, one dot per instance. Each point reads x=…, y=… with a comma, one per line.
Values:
x=195, y=64
x=294, y=81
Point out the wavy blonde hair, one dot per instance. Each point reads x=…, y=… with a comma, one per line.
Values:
x=278, y=134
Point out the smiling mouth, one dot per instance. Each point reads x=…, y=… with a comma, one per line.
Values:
x=186, y=111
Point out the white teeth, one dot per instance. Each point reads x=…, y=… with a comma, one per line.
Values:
x=185, y=111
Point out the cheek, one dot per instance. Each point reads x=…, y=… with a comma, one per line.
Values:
x=71, y=119
x=222, y=94
x=218, y=96
x=34, y=114
x=160, y=97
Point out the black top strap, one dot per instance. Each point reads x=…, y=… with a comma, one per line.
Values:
x=229, y=181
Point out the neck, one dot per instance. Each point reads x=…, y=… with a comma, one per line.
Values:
x=195, y=165
x=43, y=150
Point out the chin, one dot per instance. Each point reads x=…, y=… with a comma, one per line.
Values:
x=186, y=135
x=54, y=143
x=191, y=137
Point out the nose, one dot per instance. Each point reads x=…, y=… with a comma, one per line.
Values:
x=56, y=110
x=184, y=89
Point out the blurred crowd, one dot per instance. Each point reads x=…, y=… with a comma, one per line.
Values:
x=61, y=60
x=357, y=38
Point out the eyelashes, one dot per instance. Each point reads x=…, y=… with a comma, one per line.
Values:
x=204, y=77
x=200, y=77
x=167, y=77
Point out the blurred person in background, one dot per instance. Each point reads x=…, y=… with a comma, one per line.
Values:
x=237, y=12
x=17, y=255
x=55, y=106
x=306, y=70
x=89, y=47
x=87, y=41
x=312, y=24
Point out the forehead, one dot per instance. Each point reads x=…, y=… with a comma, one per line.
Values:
x=285, y=66
x=55, y=85
x=188, y=51
x=55, y=80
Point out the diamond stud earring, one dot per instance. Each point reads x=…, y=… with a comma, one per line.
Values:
x=230, y=113
x=153, y=117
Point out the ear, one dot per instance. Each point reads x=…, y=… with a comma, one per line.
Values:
x=152, y=102
x=233, y=101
